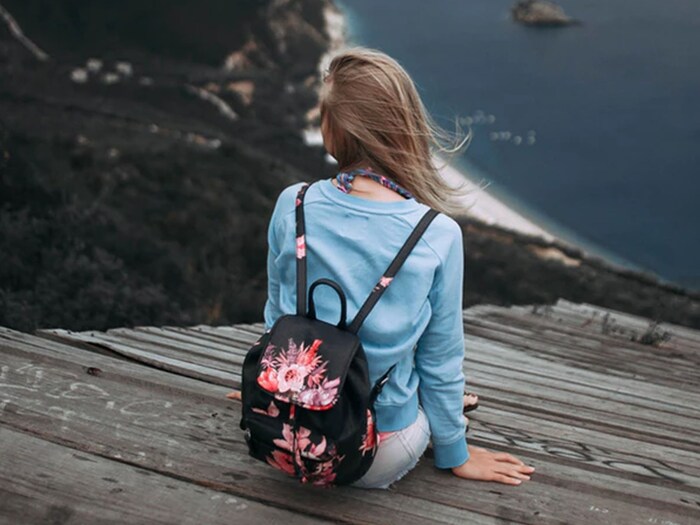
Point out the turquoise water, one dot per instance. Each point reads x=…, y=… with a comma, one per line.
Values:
x=591, y=130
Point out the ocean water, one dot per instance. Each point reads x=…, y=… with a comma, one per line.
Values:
x=593, y=131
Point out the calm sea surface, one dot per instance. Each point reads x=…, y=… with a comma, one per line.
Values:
x=591, y=130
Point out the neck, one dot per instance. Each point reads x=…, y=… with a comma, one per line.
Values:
x=365, y=164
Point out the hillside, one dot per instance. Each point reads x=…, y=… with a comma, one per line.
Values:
x=140, y=162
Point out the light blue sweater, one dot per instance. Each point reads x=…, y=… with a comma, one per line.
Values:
x=352, y=240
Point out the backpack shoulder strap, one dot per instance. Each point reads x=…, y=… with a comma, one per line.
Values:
x=381, y=285
x=301, y=249
x=393, y=268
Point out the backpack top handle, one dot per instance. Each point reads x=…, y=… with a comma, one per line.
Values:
x=383, y=282
x=342, y=324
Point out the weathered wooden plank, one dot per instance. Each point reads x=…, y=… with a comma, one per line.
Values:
x=584, y=381
x=149, y=354
x=535, y=404
x=589, y=321
x=568, y=335
x=590, y=318
x=586, y=311
x=530, y=404
x=624, y=403
x=172, y=434
x=611, y=359
x=587, y=446
x=43, y=482
x=560, y=493
x=224, y=334
x=600, y=402
x=174, y=425
x=180, y=346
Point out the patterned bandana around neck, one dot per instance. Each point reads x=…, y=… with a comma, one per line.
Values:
x=345, y=181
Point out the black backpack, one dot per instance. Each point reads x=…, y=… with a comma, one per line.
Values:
x=308, y=406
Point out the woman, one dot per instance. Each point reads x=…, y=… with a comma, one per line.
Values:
x=375, y=125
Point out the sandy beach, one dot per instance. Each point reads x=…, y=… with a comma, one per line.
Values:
x=479, y=203
x=482, y=205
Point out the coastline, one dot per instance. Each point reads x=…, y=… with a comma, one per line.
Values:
x=484, y=206
x=480, y=203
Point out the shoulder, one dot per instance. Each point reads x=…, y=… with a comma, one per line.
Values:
x=447, y=226
x=286, y=199
x=444, y=235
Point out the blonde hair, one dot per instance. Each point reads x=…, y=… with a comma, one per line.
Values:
x=372, y=111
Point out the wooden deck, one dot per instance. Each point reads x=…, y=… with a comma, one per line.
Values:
x=132, y=426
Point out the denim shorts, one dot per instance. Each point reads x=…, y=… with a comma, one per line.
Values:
x=397, y=454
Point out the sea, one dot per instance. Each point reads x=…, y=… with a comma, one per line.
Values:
x=591, y=131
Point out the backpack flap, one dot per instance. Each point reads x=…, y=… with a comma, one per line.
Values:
x=306, y=361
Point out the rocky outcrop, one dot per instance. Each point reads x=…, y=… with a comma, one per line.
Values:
x=139, y=165
x=540, y=13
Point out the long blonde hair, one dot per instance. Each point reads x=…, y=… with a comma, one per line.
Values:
x=371, y=109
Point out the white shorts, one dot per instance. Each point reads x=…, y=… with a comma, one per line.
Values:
x=397, y=454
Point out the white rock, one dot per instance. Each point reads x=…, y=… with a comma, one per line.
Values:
x=93, y=65
x=313, y=136
x=110, y=78
x=79, y=75
x=124, y=68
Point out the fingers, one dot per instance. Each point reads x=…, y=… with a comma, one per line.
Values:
x=236, y=394
x=521, y=472
x=504, y=456
x=518, y=475
x=506, y=479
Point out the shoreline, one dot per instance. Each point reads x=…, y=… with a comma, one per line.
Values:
x=480, y=204
x=487, y=208
x=483, y=206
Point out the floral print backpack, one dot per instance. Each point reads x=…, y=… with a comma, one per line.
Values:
x=308, y=405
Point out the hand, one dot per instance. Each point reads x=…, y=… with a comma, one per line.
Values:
x=236, y=395
x=493, y=466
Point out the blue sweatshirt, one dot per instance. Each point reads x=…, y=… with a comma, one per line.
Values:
x=416, y=323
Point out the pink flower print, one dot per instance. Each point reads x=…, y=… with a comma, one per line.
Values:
x=306, y=356
x=301, y=246
x=291, y=377
x=315, y=451
x=287, y=441
x=369, y=441
x=303, y=440
x=271, y=411
x=384, y=281
x=281, y=461
x=321, y=397
x=268, y=379
x=322, y=474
